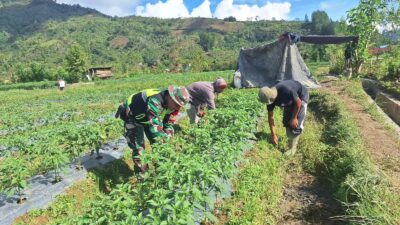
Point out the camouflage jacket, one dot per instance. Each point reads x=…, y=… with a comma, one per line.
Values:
x=160, y=118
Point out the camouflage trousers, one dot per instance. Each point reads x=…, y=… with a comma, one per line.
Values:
x=134, y=135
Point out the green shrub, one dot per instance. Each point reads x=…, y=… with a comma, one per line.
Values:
x=29, y=85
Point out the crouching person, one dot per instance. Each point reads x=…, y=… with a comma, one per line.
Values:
x=202, y=95
x=151, y=112
x=293, y=97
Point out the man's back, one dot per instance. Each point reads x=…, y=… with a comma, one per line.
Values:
x=288, y=91
x=202, y=93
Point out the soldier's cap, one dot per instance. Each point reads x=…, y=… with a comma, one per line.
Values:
x=267, y=95
x=180, y=95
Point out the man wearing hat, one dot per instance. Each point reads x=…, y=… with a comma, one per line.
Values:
x=202, y=95
x=293, y=97
x=152, y=112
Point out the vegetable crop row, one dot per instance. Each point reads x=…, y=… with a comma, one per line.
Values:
x=185, y=170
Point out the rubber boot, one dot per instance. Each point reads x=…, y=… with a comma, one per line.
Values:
x=292, y=143
x=139, y=169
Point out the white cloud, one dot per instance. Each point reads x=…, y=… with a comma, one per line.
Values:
x=327, y=5
x=112, y=8
x=202, y=10
x=226, y=8
x=173, y=9
x=386, y=27
x=168, y=9
x=242, y=12
x=176, y=8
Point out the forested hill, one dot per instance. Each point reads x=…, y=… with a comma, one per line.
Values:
x=21, y=17
x=37, y=36
x=6, y=3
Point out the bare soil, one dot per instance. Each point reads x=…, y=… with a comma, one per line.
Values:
x=382, y=145
x=306, y=201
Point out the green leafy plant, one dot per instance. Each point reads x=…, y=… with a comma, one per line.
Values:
x=13, y=177
x=55, y=159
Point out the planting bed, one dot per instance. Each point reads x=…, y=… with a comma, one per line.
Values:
x=221, y=171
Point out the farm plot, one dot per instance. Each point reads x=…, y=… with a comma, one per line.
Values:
x=186, y=170
x=189, y=176
x=56, y=127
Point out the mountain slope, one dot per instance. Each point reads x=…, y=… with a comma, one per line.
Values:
x=7, y=3
x=23, y=18
x=43, y=31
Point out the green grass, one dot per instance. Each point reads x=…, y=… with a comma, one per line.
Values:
x=392, y=88
x=258, y=188
x=318, y=69
x=29, y=85
x=354, y=89
x=347, y=167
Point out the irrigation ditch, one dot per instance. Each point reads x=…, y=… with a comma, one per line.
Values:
x=389, y=103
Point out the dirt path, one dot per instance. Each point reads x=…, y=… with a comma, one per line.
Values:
x=382, y=146
x=306, y=201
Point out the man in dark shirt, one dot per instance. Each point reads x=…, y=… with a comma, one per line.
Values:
x=293, y=97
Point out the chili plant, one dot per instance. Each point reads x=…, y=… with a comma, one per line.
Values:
x=13, y=177
x=55, y=159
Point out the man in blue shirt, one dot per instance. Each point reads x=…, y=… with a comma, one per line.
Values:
x=293, y=97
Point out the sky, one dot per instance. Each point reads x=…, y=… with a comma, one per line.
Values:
x=240, y=9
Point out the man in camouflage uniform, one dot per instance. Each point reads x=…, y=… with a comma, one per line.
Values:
x=152, y=112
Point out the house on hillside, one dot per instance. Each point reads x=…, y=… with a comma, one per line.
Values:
x=380, y=50
x=99, y=72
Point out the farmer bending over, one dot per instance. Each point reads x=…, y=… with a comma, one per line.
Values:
x=293, y=97
x=202, y=95
x=152, y=112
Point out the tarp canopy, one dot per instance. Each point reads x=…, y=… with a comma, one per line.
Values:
x=327, y=39
x=281, y=60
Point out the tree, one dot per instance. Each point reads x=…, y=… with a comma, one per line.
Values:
x=151, y=56
x=230, y=19
x=8, y=67
x=188, y=54
x=76, y=62
x=207, y=40
x=321, y=23
x=363, y=20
